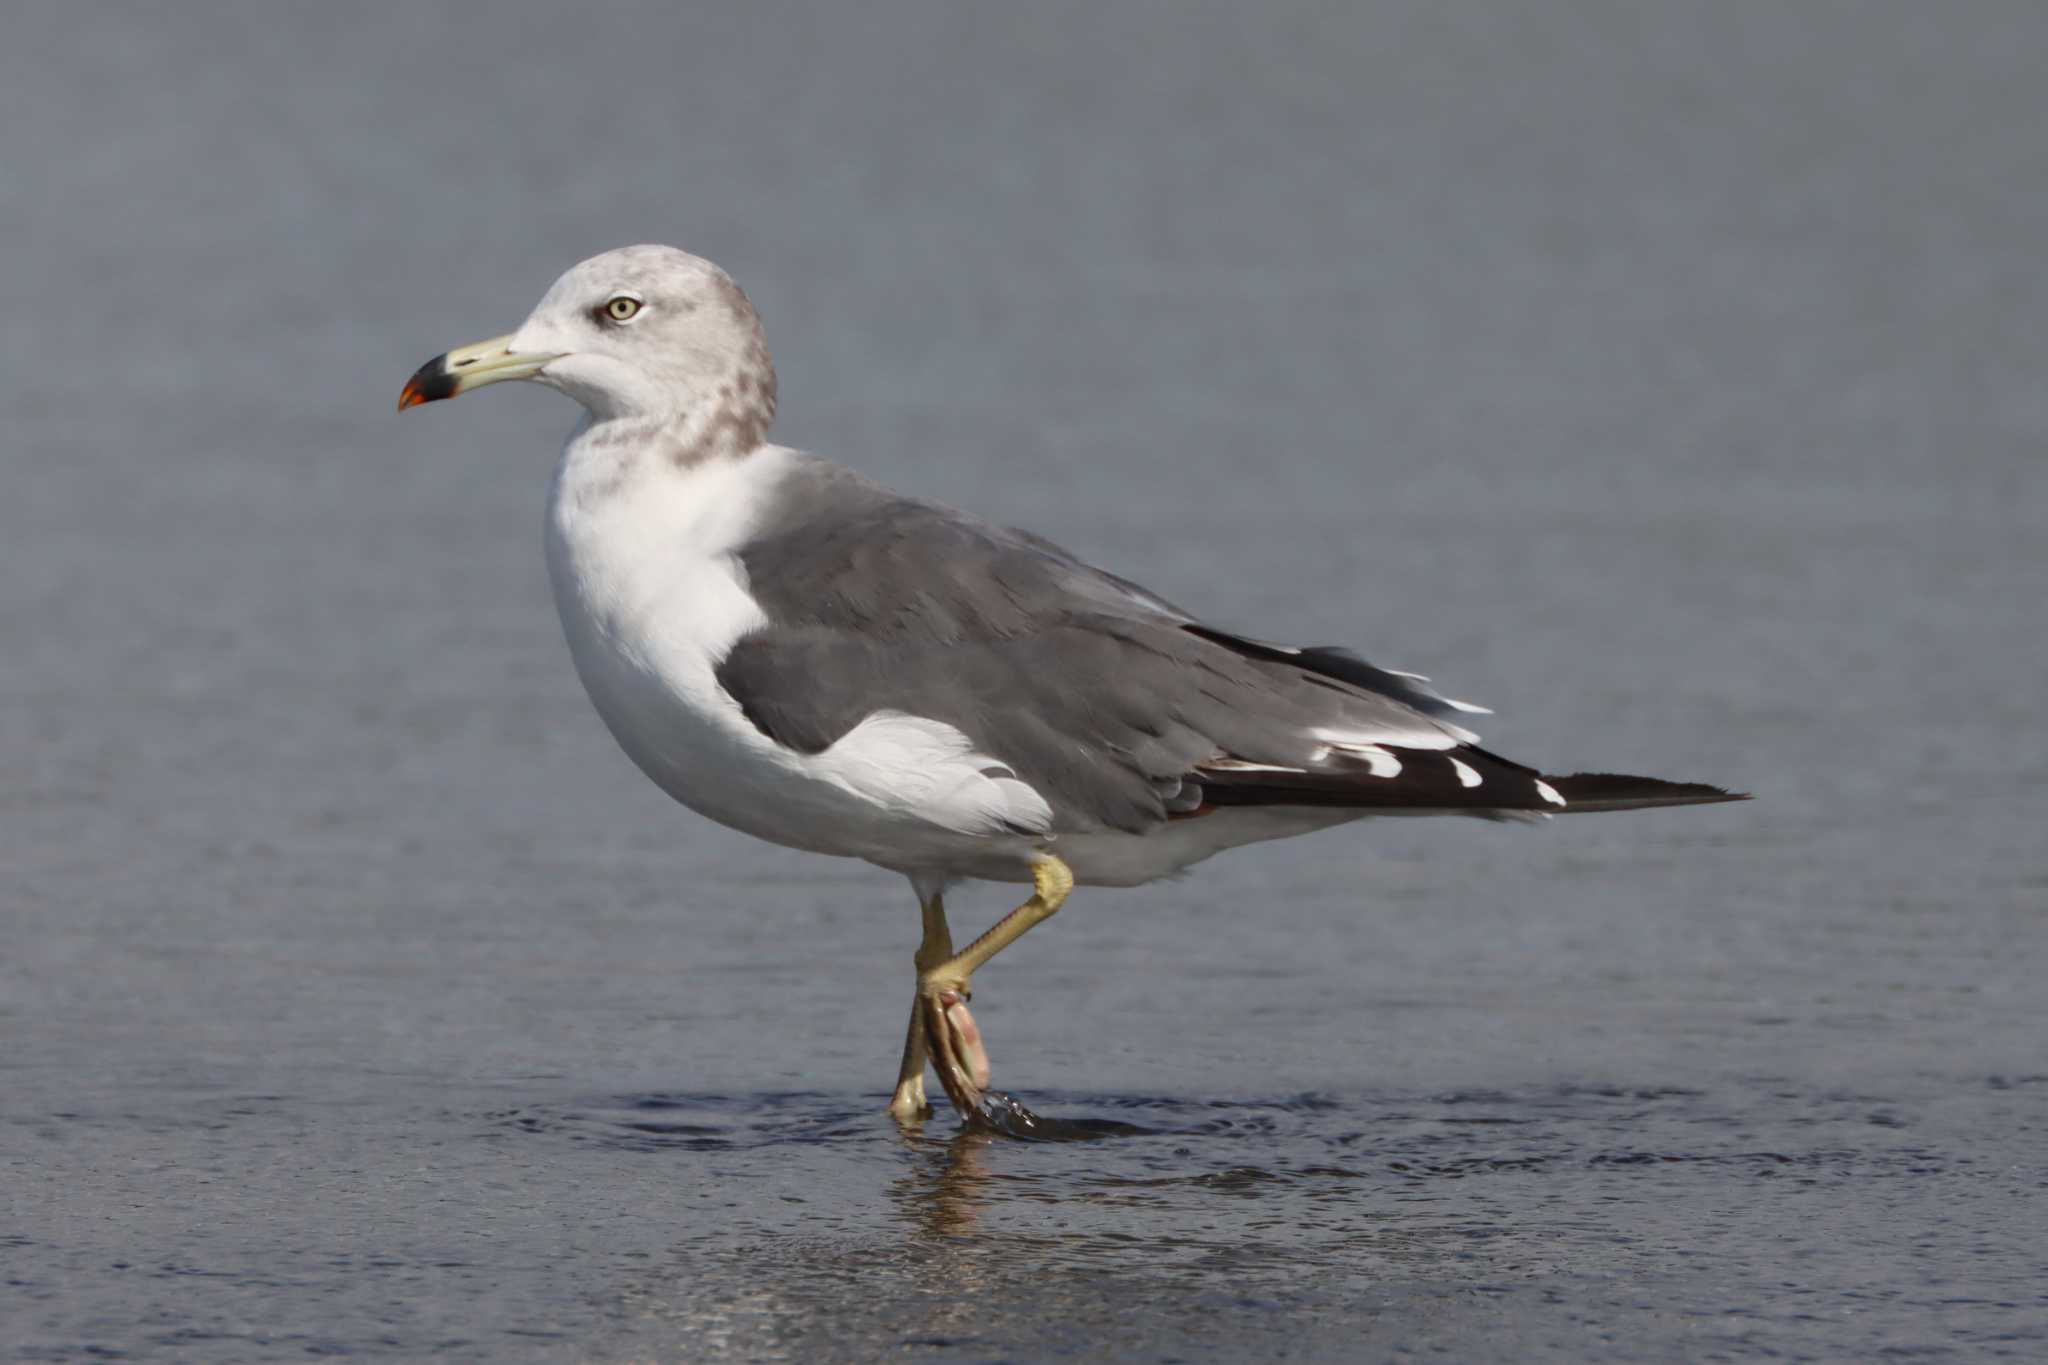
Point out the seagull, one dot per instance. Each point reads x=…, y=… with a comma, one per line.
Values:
x=794, y=651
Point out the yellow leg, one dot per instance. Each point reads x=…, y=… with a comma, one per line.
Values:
x=908, y=1105
x=949, y=1031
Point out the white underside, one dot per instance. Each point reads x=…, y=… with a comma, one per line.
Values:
x=652, y=596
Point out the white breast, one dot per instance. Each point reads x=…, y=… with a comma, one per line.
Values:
x=640, y=556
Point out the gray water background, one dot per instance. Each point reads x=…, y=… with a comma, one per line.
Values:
x=1671, y=377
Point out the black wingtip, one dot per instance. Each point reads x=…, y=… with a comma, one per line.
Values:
x=1620, y=791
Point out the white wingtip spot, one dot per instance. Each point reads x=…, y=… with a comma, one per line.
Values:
x=1548, y=792
x=1469, y=708
x=1380, y=762
x=1468, y=776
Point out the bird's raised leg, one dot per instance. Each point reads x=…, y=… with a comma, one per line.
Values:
x=949, y=1030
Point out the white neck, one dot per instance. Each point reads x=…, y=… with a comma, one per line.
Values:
x=634, y=495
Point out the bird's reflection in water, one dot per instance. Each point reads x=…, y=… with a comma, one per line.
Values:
x=944, y=1193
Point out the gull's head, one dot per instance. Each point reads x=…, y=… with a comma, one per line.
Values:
x=646, y=332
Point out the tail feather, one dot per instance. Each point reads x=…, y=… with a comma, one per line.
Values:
x=1619, y=791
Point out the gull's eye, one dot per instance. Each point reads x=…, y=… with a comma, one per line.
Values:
x=622, y=308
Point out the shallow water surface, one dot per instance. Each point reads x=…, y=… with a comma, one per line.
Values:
x=1590, y=1222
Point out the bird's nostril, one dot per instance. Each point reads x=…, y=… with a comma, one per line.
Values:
x=465, y=364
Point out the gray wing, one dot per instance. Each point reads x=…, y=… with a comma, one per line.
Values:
x=1119, y=708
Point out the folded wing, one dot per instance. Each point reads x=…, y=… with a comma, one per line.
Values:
x=1118, y=708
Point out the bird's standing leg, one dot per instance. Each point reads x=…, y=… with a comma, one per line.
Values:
x=908, y=1105
x=949, y=1030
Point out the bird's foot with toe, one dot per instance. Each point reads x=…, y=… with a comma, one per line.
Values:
x=955, y=1043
